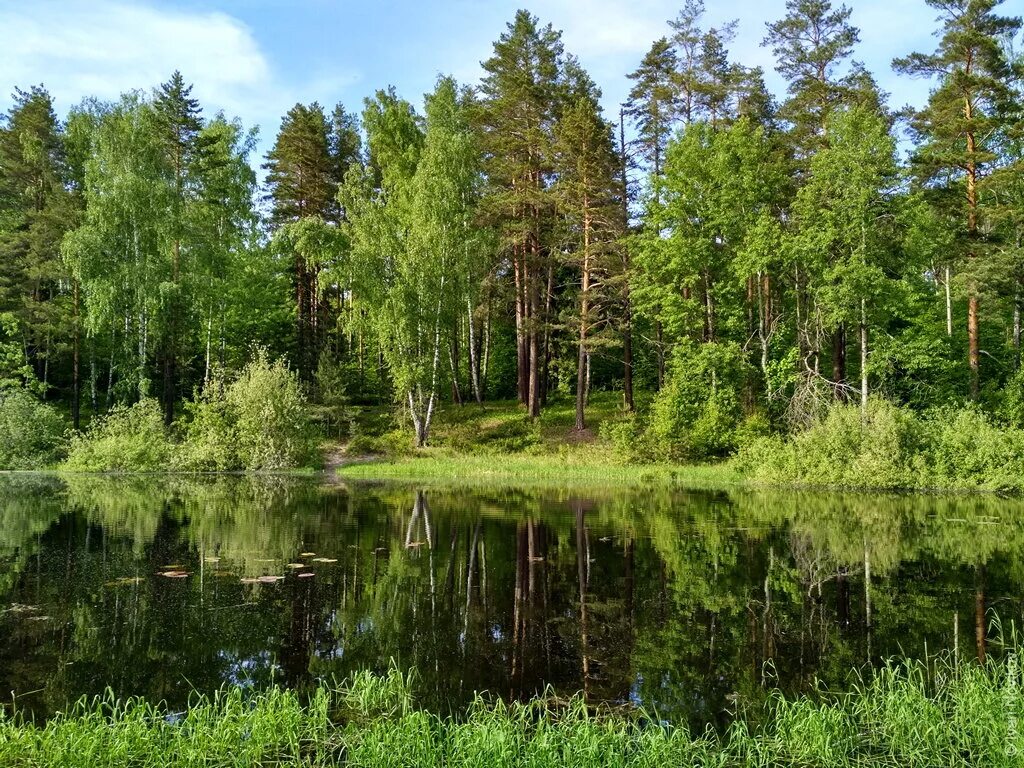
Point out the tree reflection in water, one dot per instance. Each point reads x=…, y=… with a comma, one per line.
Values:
x=696, y=603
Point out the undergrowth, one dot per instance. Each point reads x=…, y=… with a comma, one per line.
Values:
x=907, y=715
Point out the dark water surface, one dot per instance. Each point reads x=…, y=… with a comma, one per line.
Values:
x=693, y=603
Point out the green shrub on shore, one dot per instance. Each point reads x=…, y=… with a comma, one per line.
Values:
x=131, y=438
x=892, y=447
x=31, y=432
x=908, y=715
x=258, y=422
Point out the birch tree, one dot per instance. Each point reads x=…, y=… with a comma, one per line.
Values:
x=844, y=224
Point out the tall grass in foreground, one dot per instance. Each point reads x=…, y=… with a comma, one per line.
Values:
x=906, y=716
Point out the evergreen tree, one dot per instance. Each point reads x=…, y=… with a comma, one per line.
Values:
x=960, y=131
x=35, y=211
x=587, y=192
x=302, y=184
x=653, y=103
x=810, y=44
x=179, y=128
x=522, y=92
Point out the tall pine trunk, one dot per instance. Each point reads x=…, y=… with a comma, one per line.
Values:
x=581, y=363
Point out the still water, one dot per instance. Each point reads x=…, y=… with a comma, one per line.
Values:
x=687, y=602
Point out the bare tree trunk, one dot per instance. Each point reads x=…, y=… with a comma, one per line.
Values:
x=581, y=362
x=474, y=355
x=627, y=308
x=973, y=340
x=486, y=356
x=209, y=345
x=453, y=359
x=76, y=384
x=949, y=304
x=762, y=333
x=93, y=373
x=548, y=298
x=973, y=343
x=863, y=357
x=534, y=356
x=839, y=362
x=660, y=350
x=1016, y=326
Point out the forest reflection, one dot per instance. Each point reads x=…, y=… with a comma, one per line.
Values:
x=691, y=603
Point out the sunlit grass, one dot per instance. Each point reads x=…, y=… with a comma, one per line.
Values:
x=565, y=468
x=498, y=444
x=905, y=715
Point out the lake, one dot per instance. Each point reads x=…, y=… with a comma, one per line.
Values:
x=694, y=604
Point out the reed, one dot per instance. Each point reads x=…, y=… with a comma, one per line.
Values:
x=906, y=714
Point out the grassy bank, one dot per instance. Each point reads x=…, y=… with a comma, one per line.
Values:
x=567, y=468
x=497, y=444
x=905, y=716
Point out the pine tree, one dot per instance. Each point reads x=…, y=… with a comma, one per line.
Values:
x=302, y=184
x=810, y=45
x=35, y=211
x=686, y=39
x=587, y=192
x=959, y=131
x=521, y=99
x=179, y=125
x=653, y=104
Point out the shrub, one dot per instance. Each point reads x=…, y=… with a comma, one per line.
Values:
x=210, y=443
x=696, y=414
x=271, y=422
x=129, y=438
x=969, y=450
x=627, y=438
x=31, y=432
x=892, y=447
x=257, y=422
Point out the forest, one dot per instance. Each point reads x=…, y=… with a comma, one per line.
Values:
x=821, y=283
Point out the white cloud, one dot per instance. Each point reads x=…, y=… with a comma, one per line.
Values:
x=598, y=28
x=102, y=48
x=106, y=47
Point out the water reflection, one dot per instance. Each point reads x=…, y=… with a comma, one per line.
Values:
x=695, y=603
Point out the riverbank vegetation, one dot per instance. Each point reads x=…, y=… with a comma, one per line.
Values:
x=911, y=716
x=712, y=271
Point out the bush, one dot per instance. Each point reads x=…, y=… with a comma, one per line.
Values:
x=257, y=422
x=130, y=438
x=891, y=448
x=627, y=438
x=696, y=414
x=970, y=451
x=31, y=432
x=210, y=443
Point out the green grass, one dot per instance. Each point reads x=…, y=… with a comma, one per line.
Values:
x=907, y=715
x=567, y=468
x=498, y=444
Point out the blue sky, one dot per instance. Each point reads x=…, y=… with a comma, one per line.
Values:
x=255, y=58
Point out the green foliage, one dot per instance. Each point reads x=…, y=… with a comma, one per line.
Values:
x=258, y=422
x=696, y=414
x=892, y=447
x=131, y=438
x=905, y=715
x=969, y=450
x=14, y=368
x=332, y=397
x=211, y=441
x=31, y=432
